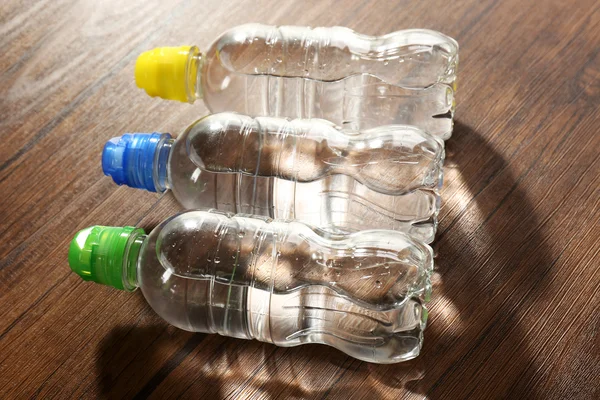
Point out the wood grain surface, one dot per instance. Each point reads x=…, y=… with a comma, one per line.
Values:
x=517, y=286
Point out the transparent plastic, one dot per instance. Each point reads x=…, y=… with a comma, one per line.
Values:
x=287, y=283
x=392, y=160
x=356, y=81
x=336, y=203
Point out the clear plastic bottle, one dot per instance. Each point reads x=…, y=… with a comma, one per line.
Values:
x=356, y=81
x=278, y=282
x=392, y=160
x=214, y=163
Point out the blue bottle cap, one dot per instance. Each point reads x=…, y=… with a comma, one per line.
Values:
x=129, y=159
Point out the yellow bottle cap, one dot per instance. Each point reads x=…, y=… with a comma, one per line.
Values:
x=164, y=72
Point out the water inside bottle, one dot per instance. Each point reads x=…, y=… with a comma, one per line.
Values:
x=353, y=80
x=357, y=102
x=287, y=284
x=338, y=204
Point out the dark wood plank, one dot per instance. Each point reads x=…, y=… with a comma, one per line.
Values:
x=513, y=311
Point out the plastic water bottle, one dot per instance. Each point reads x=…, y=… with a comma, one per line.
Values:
x=389, y=159
x=310, y=170
x=278, y=282
x=356, y=81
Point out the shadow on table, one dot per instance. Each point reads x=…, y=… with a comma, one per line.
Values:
x=450, y=355
x=267, y=369
x=465, y=350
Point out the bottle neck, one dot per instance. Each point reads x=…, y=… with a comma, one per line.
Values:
x=194, y=76
x=160, y=173
x=130, y=260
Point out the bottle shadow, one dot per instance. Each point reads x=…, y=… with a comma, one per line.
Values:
x=474, y=342
x=128, y=358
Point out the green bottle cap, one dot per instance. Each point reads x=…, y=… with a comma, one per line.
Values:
x=98, y=254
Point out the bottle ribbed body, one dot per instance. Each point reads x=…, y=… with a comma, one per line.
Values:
x=288, y=284
x=392, y=159
x=336, y=203
x=356, y=81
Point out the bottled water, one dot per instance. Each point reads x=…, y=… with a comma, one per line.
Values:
x=310, y=170
x=355, y=81
x=275, y=281
x=389, y=159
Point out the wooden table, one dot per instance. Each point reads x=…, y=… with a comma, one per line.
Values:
x=517, y=285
